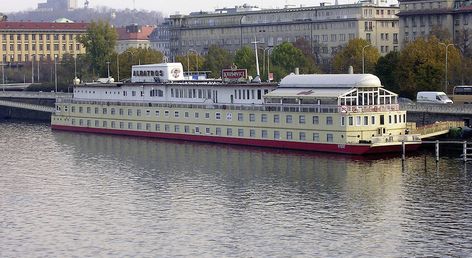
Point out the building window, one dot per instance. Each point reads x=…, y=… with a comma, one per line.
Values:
x=288, y=119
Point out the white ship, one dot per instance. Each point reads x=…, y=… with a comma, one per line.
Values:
x=341, y=113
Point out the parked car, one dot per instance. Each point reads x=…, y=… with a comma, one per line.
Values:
x=405, y=101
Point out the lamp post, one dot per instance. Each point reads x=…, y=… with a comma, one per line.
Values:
x=445, y=80
x=108, y=69
x=196, y=59
x=32, y=69
x=118, y=66
x=55, y=73
x=363, y=56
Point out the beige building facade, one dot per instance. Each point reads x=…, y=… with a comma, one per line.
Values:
x=325, y=27
x=41, y=41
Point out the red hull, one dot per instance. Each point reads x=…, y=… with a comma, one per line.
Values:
x=322, y=147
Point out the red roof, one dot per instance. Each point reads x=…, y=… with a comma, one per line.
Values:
x=142, y=34
x=42, y=26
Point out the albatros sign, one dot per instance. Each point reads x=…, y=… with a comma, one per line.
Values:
x=233, y=74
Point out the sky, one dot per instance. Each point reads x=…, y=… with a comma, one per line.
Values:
x=170, y=7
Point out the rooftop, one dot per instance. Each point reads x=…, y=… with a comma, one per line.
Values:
x=42, y=26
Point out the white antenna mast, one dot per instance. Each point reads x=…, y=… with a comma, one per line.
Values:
x=257, y=59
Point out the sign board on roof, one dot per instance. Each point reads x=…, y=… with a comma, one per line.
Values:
x=233, y=74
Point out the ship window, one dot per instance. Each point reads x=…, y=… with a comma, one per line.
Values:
x=122, y=125
x=288, y=119
x=395, y=116
x=112, y=111
x=96, y=110
x=199, y=94
x=166, y=128
x=97, y=123
x=316, y=120
x=229, y=116
x=358, y=120
x=112, y=124
x=343, y=120
x=121, y=112
x=236, y=93
x=239, y=94
x=372, y=120
x=209, y=94
x=139, y=126
x=171, y=93
x=252, y=94
x=351, y=120
x=196, y=115
x=247, y=92
x=81, y=122
x=218, y=131
x=148, y=126
x=301, y=119
x=88, y=110
x=157, y=113
x=218, y=116
x=186, y=128
x=252, y=133
x=72, y=109
x=138, y=112
x=158, y=127
x=302, y=136
x=207, y=130
x=276, y=135
x=264, y=118
x=382, y=120
x=81, y=110
x=252, y=117
x=259, y=94
x=130, y=125
x=240, y=132
x=229, y=132
x=366, y=120
x=177, y=128
x=329, y=120
x=276, y=118
x=207, y=115
x=289, y=135
x=186, y=114
x=133, y=93
x=316, y=137
x=166, y=113
x=104, y=111
x=329, y=137
x=264, y=134
x=104, y=124
x=73, y=121
x=176, y=114
x=390, y=119
x=197, y=129
x=240, y=116
x=404, y=118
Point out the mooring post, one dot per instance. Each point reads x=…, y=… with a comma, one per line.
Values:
x=437, y=151
x=403, y=150
x=464, y=151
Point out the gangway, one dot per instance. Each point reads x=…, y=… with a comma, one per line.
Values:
x=27, y=106
x=436, y=129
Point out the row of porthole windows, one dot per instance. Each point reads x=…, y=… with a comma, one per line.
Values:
x=239, y=132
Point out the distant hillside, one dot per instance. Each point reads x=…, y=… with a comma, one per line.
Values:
x=116, y=17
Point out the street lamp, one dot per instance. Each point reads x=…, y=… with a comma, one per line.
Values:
x=55, y=73
x=108, y=68
x=363, y=57
x=32, y=69
x=196, y=59
x=268, y=49
x=445, y=81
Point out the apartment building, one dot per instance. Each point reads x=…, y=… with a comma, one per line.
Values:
x=160, y=38
x=41, y=41
x=418, y=18
x=326, y=27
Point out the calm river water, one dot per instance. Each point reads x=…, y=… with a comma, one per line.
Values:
x=69, y=194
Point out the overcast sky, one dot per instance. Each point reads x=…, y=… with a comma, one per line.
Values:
x=169, y=6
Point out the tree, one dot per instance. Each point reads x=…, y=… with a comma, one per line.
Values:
x=217, y=59
x=287, y=57
x=386, y=68
x=191, y=61
x=99, y=41
x=351, y=55
x=133, y=56
x=246, y=59
x=423, y=65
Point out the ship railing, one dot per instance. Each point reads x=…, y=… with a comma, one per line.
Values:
x=396, y=138
x=307, y=108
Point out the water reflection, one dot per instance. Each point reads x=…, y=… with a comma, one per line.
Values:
x=97, y=195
